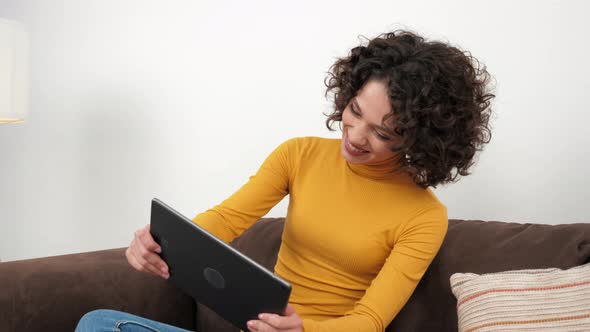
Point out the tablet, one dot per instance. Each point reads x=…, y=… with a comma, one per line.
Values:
x=212, y=272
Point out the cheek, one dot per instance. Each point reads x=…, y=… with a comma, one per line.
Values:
x=382, y=148
x=346, y=117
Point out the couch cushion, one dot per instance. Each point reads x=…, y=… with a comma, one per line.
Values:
x=538, y=299
x=484, y=247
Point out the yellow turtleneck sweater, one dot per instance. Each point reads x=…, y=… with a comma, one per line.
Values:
x=357, y=238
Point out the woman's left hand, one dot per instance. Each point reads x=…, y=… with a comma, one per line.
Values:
x=291, y=322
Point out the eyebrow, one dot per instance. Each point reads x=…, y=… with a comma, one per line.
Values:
x=385, y=129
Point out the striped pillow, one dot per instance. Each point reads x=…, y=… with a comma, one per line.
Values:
x=524, y=300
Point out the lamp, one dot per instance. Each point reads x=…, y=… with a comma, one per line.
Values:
x=14, y=75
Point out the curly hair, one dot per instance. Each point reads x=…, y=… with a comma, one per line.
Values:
x=439, y=97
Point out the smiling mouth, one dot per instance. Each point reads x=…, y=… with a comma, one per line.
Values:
x=353, y=150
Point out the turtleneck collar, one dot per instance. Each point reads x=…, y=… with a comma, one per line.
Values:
x=383, y=170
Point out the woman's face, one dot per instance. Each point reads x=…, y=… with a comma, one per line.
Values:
x=365, y=139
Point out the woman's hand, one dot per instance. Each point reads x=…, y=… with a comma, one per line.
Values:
x=142, y=254
x=291, y=322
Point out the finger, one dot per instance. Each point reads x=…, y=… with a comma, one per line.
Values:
x=140, y=262
x=147, y=240
x=280, y=322
x=149, y=255
x=146, y=266
x=259, y=326
x=145, y=257
x=131, y=260
x=135, y=264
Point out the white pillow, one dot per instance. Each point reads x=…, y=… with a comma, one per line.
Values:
x=524, y=300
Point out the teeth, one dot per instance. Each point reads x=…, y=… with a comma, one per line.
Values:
x=355, y=149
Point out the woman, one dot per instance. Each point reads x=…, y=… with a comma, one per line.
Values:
x=362, y=225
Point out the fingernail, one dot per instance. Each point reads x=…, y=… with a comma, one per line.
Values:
x=251, y=323
x=159, y=250
x=261, y=316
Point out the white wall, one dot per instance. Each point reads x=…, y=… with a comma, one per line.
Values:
x=182, y=100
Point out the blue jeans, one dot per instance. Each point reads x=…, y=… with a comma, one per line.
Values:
x=104, y=320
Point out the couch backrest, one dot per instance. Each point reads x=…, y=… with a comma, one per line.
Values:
x=470, y=246
x=484, y=247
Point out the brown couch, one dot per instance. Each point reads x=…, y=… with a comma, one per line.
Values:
x=52, y=293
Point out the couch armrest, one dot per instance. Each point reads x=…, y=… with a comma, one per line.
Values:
x=53, y=293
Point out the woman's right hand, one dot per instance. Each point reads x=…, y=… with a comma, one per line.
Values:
x=142, y=254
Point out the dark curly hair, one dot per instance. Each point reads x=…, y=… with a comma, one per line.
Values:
x=439, y=98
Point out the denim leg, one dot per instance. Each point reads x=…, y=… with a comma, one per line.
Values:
x=105, y=320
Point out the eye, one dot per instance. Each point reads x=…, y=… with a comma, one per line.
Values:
x=382, y=137
x=354, y=112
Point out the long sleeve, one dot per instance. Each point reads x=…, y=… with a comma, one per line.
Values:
x=254, y=199
x=415, y=249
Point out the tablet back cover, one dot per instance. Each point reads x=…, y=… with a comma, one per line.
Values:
x=214, y=273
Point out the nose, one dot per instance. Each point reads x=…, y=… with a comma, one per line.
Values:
x=357, y=135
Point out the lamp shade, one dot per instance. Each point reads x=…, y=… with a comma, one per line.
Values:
x=14, y=71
